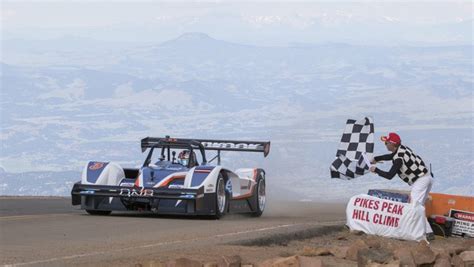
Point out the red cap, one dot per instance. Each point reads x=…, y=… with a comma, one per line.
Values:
x=392, y=138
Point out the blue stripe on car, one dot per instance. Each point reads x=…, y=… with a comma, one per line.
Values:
x=158, y=175
x=199, y=177
x=94, y=169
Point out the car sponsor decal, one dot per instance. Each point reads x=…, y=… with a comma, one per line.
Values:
x=231, y=145
x=228, y=186
x=96, y=165
x=133, y=192
x=176, y=186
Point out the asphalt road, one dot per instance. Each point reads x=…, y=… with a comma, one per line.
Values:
x=51, y=232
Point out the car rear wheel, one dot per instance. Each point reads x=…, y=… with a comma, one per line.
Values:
x=261, y=197
x=221, y=197
x=99, y=212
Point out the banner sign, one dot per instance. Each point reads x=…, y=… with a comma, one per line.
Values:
x=463, y=222
x=399, y=197
x=383, y=217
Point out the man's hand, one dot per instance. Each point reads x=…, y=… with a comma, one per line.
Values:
x=372, y=169
x=373, y=161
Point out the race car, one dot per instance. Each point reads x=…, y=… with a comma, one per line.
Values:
x=175, y=178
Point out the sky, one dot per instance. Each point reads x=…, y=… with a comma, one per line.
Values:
x=254, y=22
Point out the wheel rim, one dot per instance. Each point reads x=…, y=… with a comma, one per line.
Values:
x=221, y=196
x=261, y=195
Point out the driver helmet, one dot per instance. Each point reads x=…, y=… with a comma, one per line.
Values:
x=184, y=157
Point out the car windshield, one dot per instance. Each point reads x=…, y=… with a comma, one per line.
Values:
x=178, y=157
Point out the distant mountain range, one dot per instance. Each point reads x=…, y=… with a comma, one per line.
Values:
x=63, y=104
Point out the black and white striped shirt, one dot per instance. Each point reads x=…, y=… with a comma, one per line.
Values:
x=406, y=164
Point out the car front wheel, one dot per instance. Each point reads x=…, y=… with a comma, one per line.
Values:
x=221, y=197
x=261, y=197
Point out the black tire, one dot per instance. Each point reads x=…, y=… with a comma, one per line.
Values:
x=99, y=212
x=438, y=229
x=222, y=197
x=260, y=196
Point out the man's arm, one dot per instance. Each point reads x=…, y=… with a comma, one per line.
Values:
x=384, y=157
x=397, y=164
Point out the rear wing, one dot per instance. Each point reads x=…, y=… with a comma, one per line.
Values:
x=209, y=144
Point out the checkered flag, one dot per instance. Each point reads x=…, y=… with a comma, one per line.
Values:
x=355, y=150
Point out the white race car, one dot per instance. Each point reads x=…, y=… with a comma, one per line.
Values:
x=176, y=180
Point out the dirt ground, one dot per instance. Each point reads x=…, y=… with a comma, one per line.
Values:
x=255, y=251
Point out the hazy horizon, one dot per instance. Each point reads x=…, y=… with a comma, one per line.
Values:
x=87, y=80
x=256, y=22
